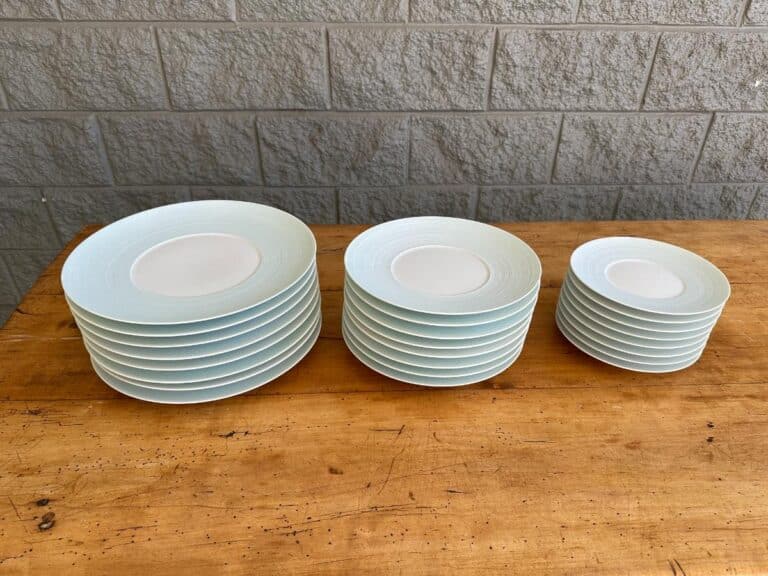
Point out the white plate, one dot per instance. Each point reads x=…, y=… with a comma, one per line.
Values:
x=208, y=394
x=625, y=348
x=418, y=362
x=575, y=313
x=251, y=326
x=430, y=381
x=650, y=276
x=439, y=265
x=441, y=332
x=237, y=369
x=174, y=330
x=453, y=353
x=279, y=335
x=639, y=327
x=434, y=319
x=625, y=311
x=607, y=359
x=188, y=262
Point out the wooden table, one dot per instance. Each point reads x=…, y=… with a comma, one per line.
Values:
x=561, y=465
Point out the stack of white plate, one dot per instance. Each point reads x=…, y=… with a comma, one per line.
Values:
x=438, y=301
x=196, y=301
x=640, y=304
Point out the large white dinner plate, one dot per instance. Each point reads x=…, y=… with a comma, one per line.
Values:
x=418, y=361
x=250, y=351
x=650, y=276
x=437, y=319
x=249, y=327
x=188, y=262
x=194, y=396
x=174, y=330
x=441, y=332
x=577, y=314
x=434, y=380
x=618, y=360
x=438, y=265
x=635, y=326
x=237, y=369
x=681, y=320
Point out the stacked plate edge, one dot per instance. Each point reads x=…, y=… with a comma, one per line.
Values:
x=640, y=304
x=196, y=301
x=438, y=301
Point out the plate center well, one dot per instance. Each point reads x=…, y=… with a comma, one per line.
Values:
x=195, y=265
x=644, y=278
x=440, y=270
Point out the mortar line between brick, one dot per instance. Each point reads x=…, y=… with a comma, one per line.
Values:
x=49, y=211
x=478, y=191
x=409, y=135
x=577, y=11
x=619, y=198
x=166, y=87
x=752, y=203
x=337, y=199
x=105, y=158
x=553, y=166
x=742, y=16
x=491, y=67
x=257, y=135
x=328, y=89
x=59, y=11
x=649, y=73
x=14, y=284
x=701, y=148
x=234, y=11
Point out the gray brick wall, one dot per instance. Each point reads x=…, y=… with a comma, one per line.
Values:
x=364, y=111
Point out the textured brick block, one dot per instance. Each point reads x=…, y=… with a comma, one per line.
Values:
x=245, y=68
x=374, y=205
x=517, y=11
x=45, y=68
x=638, y=148
x=710, y=71
x=758, y=12
x=9, y=297
x=759, y=209
x=26, y=267
x=73, y=208
x=182, y=148
x=24, y=220
x=395, y=69
x=29, y=9
x=736, y=150
x=533, y=203
x=702, y=201
x=482, y=149
x=323, y=10
x=145, y=9
x=39, y=150
x=312, y=205
x=561, y=69
x=660, y=11
x=349, y=150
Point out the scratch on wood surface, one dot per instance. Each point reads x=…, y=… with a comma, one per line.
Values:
x=389, y=472
x=680, y=567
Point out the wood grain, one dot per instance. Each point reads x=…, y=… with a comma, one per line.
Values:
x=561, y=465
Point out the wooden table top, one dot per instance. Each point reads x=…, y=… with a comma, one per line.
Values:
x=561, y=465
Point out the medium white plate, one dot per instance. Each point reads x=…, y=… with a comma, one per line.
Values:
x=174, y=330
x=280, y=335
x=439, y=265
x=640, y=327
x=575, y=313
x=605, y=303
x=607, y=359
x=236, y=370
x=430, y=381
x=650, y=276
x=418, y=362
x=208, y=394
x=441, y=332
x=188, y=262
x=435, y=319
x=251, y=326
